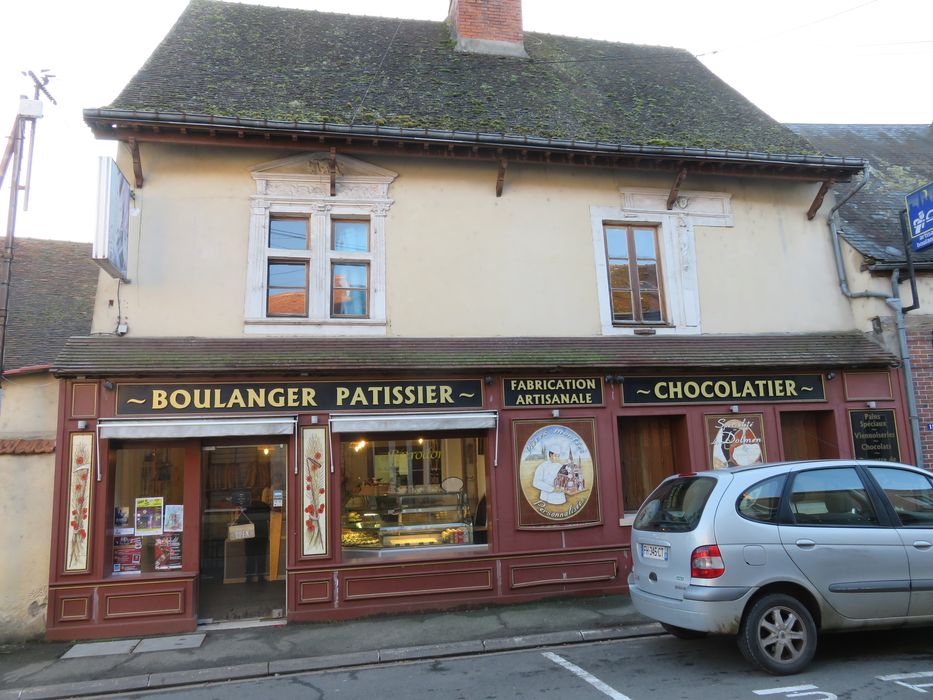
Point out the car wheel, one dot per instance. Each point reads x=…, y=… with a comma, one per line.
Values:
x=682, y=632
x=778, y=634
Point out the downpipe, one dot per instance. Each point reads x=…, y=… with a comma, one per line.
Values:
x=897, y=306
x=894, y=301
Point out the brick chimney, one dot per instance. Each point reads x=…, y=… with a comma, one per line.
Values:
x=487, y=26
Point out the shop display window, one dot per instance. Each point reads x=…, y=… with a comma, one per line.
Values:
x=148, y=512
x=411, y=492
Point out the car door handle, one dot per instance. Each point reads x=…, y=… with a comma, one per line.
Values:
x=806, y=544
x=922, y=544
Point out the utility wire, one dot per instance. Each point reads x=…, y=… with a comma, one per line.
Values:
x=376, y=74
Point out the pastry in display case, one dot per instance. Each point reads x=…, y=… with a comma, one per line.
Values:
x=407, y=519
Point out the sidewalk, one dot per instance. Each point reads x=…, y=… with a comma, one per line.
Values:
x=37, y=670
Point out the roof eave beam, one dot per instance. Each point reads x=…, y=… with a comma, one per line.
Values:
x=675, y=189
x=137, y=162
x=818, y=200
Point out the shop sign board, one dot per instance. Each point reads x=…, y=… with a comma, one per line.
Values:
x=524, y=392
x=874, y=435
x=920, y=215
x=266, y=397
x=720, y=389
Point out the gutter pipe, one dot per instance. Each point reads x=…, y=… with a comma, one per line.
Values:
x=894, y=301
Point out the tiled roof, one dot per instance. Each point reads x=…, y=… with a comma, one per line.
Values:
x=109, y=356
x=51, y=298
x=265, y=63
x=901, y=159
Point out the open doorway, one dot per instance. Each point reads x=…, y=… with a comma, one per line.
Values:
x=243, y=529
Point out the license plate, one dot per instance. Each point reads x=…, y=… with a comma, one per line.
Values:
x=654, y=551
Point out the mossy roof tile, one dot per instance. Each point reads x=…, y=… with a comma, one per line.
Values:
x=265, y=63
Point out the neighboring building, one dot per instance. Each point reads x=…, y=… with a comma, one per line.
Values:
x=875, y=257
x=417, y=317
x=51, y=298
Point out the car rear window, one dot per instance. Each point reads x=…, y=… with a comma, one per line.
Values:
x=676, y=505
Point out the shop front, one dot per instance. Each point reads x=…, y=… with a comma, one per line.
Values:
x=185, y=500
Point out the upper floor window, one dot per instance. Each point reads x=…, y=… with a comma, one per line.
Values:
x=646, y=260
x=634, y=275
x=316, y=261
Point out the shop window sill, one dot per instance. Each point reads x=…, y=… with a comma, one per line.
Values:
x=355, y=556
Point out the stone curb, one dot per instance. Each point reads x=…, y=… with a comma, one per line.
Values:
x=321, y=663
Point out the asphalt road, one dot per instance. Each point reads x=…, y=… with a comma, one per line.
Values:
x=867, y=666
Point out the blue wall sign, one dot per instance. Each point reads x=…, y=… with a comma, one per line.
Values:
x=920, y=216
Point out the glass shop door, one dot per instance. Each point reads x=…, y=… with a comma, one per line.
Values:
x=243, y=531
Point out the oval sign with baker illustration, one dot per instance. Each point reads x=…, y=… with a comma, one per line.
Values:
x=557, y=477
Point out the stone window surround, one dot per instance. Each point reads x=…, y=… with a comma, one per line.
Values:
x=362, y=193
x=677, y=251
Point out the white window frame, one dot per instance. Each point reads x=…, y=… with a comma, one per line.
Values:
x=676, y=252
x=299, y=187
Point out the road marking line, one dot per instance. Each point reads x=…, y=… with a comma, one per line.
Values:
x=588, y=677
x=905, y=676
x=783, y=691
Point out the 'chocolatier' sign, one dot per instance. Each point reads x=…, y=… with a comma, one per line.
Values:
x=752, y=389
x=174, y=399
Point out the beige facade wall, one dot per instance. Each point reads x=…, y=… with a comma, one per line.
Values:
x=462, y=262
x=29, y=410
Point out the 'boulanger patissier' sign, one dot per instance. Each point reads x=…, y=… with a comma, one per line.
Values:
x=175, y=399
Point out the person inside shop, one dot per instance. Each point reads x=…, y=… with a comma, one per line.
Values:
x=257, y=547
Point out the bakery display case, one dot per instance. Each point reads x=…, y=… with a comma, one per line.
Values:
x=403, y=519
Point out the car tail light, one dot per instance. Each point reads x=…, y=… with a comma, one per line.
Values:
x=706, y=562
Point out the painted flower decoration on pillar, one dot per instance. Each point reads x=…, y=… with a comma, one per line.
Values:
x=315, y=492
x=79, y=502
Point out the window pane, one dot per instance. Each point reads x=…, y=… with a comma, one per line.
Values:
x=287, y=289
x=622, y=306
x=350, y=285
x=650, y=307
x=291, y=234
x=831, y=497
x=148, y=512
x=761, y=501
x=644, y=244
x=647, y=276
x=351, y=236
x=618, y=277
x=911, y=495
x=286, y=275
x=413, y=491
x=616, y=242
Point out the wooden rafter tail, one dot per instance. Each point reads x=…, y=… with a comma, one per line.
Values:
x=333, y=172
x=675, y=188
x=500, y=179
x=137, y=163
x=820, y=196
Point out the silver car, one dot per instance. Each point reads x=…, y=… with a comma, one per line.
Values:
x=777, y=553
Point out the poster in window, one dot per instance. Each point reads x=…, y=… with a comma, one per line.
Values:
x=148, y=516
x=556, y=474
x=80, y=456
x=174, y=518
x=127, y=554
x=735, y=440
x=167, y=552
x=314, y=494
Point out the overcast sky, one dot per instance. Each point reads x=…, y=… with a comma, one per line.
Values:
x=827, y=61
